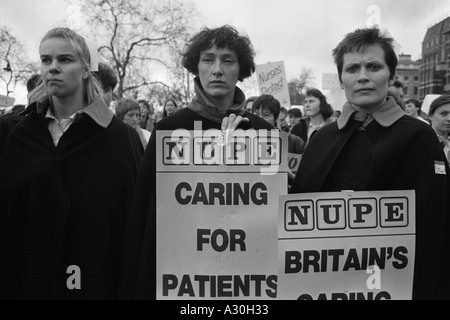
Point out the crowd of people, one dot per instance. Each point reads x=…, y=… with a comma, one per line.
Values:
x=78, y=181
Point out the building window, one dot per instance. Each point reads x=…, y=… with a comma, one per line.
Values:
x=406, y=78
x=416, y=78
x=416, y=91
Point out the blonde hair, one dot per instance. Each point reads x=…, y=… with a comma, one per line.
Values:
x=91, y=86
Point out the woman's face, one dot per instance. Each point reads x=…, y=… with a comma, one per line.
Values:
x=440, y=120
x=218, y=70
x=61, y=68
x=266, y=115
x=132, y=117
x=170, y=108
x=144, y=111
x=312, y=106
x=366, y=77
x=411, y=110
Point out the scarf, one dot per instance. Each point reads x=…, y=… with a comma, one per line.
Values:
x=204, y=107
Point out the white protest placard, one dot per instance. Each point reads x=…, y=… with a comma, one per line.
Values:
x=346, y=246
x=6, y=101
x=217, y=214
x=427, y=101
x=272, y=80
x=330, y=82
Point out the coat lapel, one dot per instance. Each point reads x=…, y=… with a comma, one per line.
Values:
x=320, y=156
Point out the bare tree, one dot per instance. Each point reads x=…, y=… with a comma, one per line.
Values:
x=14, y=66
x=135, y=37
x=298, y=85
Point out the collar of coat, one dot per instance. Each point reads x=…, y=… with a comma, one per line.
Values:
x=97, y=110
x=203, y=106
x=386, y=115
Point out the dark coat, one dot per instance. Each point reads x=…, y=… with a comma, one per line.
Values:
x=400, y=157
x=139, y=272
x=65, y=205
x=7, y=123
x=301, y=129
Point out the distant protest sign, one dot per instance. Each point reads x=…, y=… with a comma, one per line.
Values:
x=217, y=214
x=346, y=246
x=6, y=101
x=272, y=80
x=427, y=101
x=330, y=82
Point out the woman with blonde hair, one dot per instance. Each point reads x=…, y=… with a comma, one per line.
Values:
x=66, y=180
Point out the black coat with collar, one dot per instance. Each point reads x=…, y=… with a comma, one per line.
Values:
x=139, y=272
x=65, y=205
x=402, y=157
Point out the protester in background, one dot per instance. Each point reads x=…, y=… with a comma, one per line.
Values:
x=375, y=146
x=218, y=58
x=147, y=121
x=282, y=123
x=295, y=116
x=439, y=114
x=66, y=180
x=107, y=77
x=412, y=108
x=318, y=114
x=33, y=82
x=336, y=115
x=129, y=111
x=249, y=103
x=170, y=107
x=9, y=121
x=268, y=108
x=159, y=116
x=396, y=90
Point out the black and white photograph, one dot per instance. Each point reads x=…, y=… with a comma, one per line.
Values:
x=227, y=156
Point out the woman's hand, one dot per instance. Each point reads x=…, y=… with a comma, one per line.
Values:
x=229, y=125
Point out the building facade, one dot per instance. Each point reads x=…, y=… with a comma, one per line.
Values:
x=435, y=67
x=408, y=73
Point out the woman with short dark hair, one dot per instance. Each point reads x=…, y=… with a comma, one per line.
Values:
x=374, y=146
x=439, y=114
x=268, y=108
x=412, y=108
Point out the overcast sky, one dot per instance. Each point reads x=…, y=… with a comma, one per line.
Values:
x=301, y=33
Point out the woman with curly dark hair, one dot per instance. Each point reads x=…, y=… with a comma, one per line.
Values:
x=218, y=58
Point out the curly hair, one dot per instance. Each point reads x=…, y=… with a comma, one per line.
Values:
x=223, y=37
